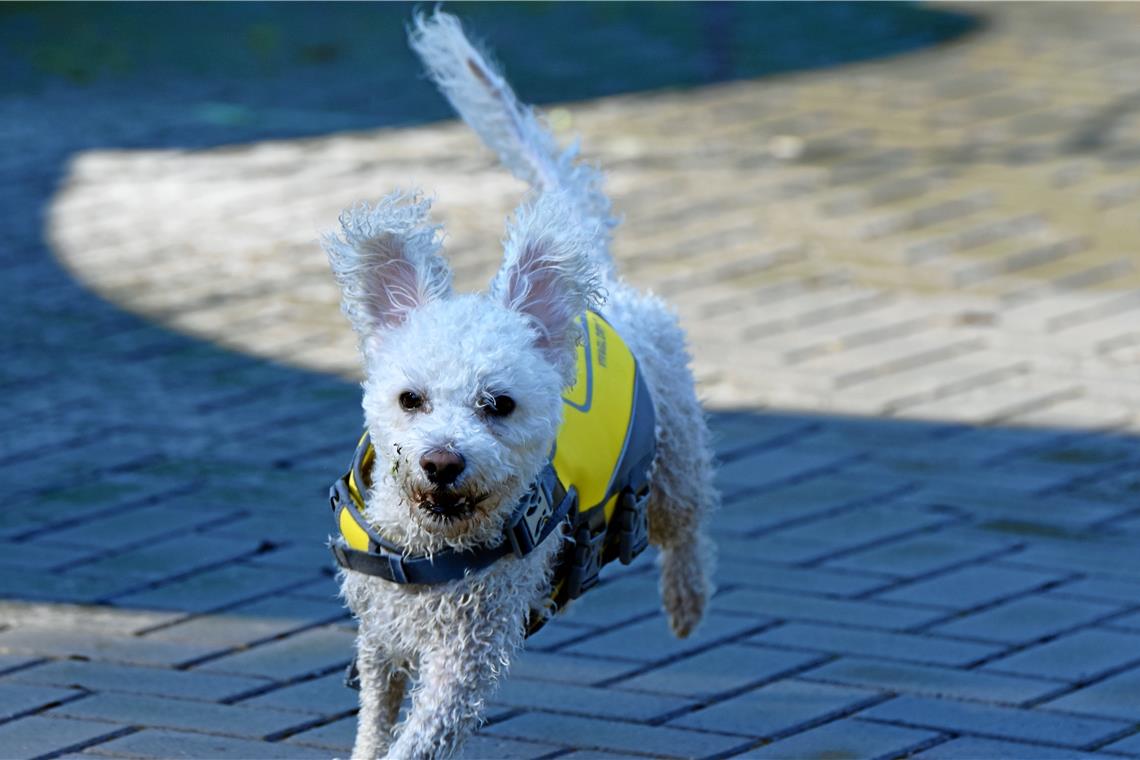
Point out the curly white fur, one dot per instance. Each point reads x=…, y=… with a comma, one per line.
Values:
x=387, y=263
x=455, y=353
x=481, y=95
x=549, y=274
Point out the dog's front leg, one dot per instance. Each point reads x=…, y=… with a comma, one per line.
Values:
x=449, y=698
x=381, y=694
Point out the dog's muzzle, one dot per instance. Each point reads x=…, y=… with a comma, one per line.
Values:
x=446, y=504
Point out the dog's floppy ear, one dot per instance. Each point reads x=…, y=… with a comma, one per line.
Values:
x=387, y=262
x=549, y=274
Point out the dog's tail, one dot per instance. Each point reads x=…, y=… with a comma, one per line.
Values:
x=482, y=97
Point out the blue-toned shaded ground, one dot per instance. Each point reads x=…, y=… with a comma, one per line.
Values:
x=200, y=74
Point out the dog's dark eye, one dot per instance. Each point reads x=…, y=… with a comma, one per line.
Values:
x=411, y=401
x=499, y=406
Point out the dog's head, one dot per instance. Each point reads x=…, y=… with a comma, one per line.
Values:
x=462, y=393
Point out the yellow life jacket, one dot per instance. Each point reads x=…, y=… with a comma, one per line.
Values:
x=595, y=483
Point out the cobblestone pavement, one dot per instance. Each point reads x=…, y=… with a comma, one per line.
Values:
x=911, y=289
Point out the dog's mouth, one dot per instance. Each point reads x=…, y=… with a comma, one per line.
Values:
x=446, y=505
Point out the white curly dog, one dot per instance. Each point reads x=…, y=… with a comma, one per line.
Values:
x=463, y=400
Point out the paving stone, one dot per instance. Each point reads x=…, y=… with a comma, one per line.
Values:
x=62, y=587
x=9, y=662
x=300, y=556
x=30, y=555
x=164, y=558
x=566, y=668
x=1130, y=622
x=103, y=647
x=800, y=607
x=863, y=526
x=1105, y=589
x=18, y=698
x=557, y=633
x=1075, y=657
x=771, y=468
x=803, y=499
x=917, y=555
x=773, y=548
x=1099, y=557
x=163, y=743
x=297, y=655
x=1114, y=697
x=589, y=733
x=102, y=676
x=1127, y=746
x=848, y=738
x=497, y=747
x=279, y=527
x=337, y=736
x=737, y=570
x=1023, y=620
x=650, y=640
x=930, y=680
x=879, y=644
x=586, y=700
x=970, y=586
x=258, y=620
x=42, y=735
x=94, y=619
x=137, y=525
x=323, y=695
x=778, y=708
x=213, y=588
x=990, y=720
x=160, y=712
x=956, y=749
x=621, y=599
x=1012, y=515
x=718, y=670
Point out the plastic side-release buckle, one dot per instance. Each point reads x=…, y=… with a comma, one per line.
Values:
x=633, y=525
x=534, y=512
x=586, y=563
x=523, y=534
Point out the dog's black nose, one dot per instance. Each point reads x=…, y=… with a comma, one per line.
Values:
x=442, y=467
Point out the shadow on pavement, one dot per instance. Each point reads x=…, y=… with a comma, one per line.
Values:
x=116, y=428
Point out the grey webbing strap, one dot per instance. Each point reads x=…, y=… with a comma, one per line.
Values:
x=538, y=514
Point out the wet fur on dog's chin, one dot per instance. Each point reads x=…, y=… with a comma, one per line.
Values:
x=402, y=518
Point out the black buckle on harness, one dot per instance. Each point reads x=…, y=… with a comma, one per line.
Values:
x=587, y=561
x=633, y=524
x=534, y=512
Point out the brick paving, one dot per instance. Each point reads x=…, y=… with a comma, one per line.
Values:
x=911, y=289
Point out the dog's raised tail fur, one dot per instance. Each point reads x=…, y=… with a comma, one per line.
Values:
x=482, y=97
